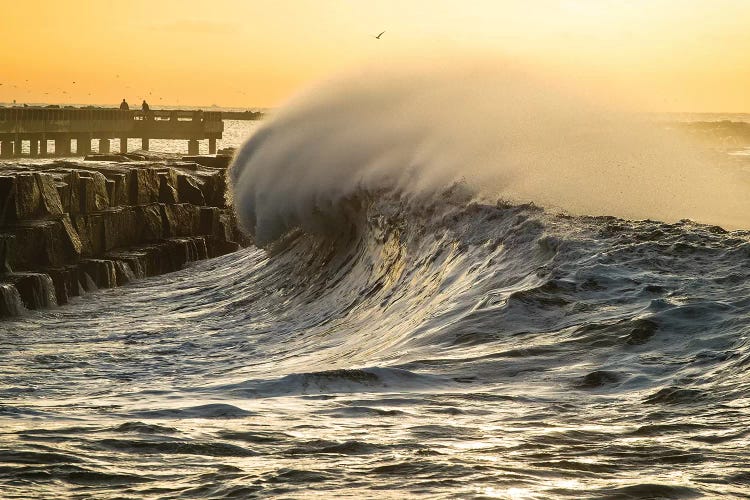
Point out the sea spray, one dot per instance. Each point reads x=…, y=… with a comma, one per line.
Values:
x=504, y=132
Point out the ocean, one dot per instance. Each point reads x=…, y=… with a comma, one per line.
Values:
x=384, y=344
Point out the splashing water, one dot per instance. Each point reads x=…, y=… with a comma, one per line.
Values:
x=504, y=132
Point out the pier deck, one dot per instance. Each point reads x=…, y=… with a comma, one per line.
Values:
x=38, y=126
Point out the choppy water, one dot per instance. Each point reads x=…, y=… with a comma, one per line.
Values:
x=456, y=350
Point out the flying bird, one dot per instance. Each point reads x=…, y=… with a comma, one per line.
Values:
x=381, y=34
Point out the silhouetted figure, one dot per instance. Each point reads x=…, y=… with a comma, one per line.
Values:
x=124, y=106
x=144, y=107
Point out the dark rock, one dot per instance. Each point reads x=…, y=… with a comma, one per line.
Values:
x=189, y=190
x=10, y=301
x=144, y=186
x=35, y=289
x=101, y=271
x=135, y=260
x=181, y=219
x=46, y=243
x=50, y=197
x=126, y=221
x=217, y=247
x=93, y=195
x=221, y=162
x=134, y=156
x=108, y=157
x=213, y=184
x=149, y=222
x=7, y=252
x=167, y=191
x=124, y=273
x=209, y=224
x=27, y=197
x=65, y=280
x=7, y=199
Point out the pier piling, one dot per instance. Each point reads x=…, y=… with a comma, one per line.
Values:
x=37, y=125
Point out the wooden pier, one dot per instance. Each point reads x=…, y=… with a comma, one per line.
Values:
x=39, y=126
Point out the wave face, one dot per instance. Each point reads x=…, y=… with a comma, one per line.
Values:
x=444, y=349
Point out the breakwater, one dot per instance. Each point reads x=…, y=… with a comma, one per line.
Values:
x=71, y=227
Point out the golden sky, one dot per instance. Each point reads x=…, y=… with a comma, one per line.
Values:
x=675, y=55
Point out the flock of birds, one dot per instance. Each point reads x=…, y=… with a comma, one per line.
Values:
x=127, y=87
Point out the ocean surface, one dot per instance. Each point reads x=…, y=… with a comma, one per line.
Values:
x=446, y=349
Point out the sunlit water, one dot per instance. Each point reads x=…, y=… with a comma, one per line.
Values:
x=453, y=351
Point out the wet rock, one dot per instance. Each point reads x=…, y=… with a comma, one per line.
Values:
x=189, y=190
x=107, y=157
x=179, y=220
x=149, y=221
x=93, y=192
x=10, y=301
x=7, y=252
x=209, y=224
x=144, y=186
x=214, y=187
x=103, y=224
x=7, y=199
x=101, y=271
x=167, y=191
x=27, y=197
x=49, y=196
x=65, y=281
x=35, y=289
x=69, y=189
x=134, y=259
x=45, y=243
x=217, y=248
x=124, y=273
x=221, y=162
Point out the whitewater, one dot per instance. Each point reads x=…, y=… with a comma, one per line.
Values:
x=490, y=298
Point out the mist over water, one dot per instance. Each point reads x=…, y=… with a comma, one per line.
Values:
x=503, y=132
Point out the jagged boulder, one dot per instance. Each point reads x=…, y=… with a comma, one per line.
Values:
x=144, y=186
x=10, y=301
x=149, y=221
x=181, y=219
x=46, y=243
x=189, y=190
x=35, y=289
x=167, y=186
x=7, y=252
x=65, y=280
x=101, y=271
x=94, y=196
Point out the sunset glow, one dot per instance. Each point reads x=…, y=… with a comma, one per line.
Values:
x=674, y=55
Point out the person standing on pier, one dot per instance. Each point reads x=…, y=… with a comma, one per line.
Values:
x=124, y=106
x=145, y=109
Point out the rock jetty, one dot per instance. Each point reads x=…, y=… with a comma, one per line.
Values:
x=71, y=227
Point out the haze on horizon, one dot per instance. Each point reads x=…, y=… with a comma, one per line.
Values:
x=671, y=55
